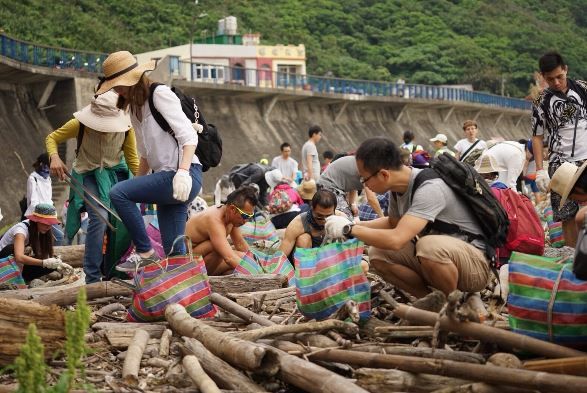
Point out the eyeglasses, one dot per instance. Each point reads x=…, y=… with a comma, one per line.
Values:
x=364, y=180
x=244, y=215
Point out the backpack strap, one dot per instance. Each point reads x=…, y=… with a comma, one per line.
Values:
x=156, y=114
x=469, y=149
x=80, y=137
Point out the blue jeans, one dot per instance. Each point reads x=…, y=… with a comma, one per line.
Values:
x=155, y=188
x=93, y=256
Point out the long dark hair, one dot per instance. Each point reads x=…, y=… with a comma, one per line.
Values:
x=137, y=95
x=41, y=243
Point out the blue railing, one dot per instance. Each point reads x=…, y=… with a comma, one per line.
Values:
x=52, y=57
x=218, y=74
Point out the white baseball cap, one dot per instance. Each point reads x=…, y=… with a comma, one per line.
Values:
x=439, y=138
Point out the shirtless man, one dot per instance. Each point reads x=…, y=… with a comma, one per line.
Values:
x=307, y=229
x=209, y=230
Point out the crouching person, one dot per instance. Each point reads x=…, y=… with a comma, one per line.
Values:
x=402, y=250
x=210, y=229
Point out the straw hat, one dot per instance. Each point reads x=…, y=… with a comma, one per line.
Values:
x=486, y=164
x=103, y=115
x=565, y=178
x=45, y=214
x=307, y=189
x=122, y=69
x=274, y=177
x=439, y=138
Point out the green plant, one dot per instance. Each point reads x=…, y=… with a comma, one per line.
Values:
x=30, y=364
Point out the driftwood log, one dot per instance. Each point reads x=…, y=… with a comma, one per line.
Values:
x=387, y=381
x=132, y=362
x=238, y=310
x=67, y=295
x=240, y=353
x=347, y=328
x=503, y=338
x=15, y=317
x=72, y=255
x=193, y=368
x=225, y=376
x=547, y=382
x=574, y=366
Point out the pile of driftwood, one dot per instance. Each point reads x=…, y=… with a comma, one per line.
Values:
x=259, y=342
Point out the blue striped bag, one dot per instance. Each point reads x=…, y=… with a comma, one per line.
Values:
x=10, y=273
x=259, y=228
x=546, y=300
x=258, y=262
x=327, y=276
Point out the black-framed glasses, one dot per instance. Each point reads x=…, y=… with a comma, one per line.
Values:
x=364, y=180
x=244, y=215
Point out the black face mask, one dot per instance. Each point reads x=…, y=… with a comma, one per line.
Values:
x=407, y=141
x=312, y=222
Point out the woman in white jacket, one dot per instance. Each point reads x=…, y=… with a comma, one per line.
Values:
x=177, y=172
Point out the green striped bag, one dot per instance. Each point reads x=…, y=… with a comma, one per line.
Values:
x=10, y=273
x=328, y=276
x=259, y=228
x=546, y=300
x=258, y=262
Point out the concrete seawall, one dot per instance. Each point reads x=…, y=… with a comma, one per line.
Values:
x=246, y=134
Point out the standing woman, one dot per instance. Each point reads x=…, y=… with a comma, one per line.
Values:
x=35, y=232
x=177, y=172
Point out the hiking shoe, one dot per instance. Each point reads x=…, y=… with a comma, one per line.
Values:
x=135, y=262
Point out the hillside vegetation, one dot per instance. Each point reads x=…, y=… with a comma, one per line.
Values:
x=486, y=43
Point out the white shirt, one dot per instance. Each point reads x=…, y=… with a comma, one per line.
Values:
x=463, y=145
x=510, y=157
x=8, y=238
x=159, y=148
x=288, y=167
x=38, y=190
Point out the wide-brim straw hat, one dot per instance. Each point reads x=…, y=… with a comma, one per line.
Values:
x=122, y=69
x=103, y=115
x=564, y=179
x=487, y=164
x=307, y=189
x=44, y=213
x=274, y=177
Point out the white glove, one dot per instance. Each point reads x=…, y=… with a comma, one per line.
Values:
x=334, y=225
x=56, y=264
x=542, y=180
x=182, y=185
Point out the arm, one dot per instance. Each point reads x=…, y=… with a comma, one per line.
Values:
x=352, y=198
x=407, y=228
x=308, y=175
x=580, y=218
x=378, y=223
x=19, y=254
x=240, y=244
x=220, y=244
x=538, y=150
x=143, y=167
x=130, y=152
x=373, y=202
x=67, y=131
x=289, y=239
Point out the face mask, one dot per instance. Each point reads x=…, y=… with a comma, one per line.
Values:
x=43, y=171
x=312, y=222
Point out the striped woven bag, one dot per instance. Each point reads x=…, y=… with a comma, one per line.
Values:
x=180, y=279
x=10, y=273
x=259, y=228
x=328, y=276
x=258, y=262
x=546, y=300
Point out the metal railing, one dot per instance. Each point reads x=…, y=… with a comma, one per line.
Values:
x=226, y=75
x=51, y=57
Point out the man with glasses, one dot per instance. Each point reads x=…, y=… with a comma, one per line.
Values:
x=210, y=229
x=560, y=113
x=402, y=249
x=307, y=229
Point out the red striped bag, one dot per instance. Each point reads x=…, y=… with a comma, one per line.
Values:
x=180, y=279
x=258, y=262
x=10, y=273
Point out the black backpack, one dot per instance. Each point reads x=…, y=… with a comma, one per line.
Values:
x=472, y=189
x=209, y=149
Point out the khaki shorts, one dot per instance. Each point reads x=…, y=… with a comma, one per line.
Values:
x=470, y=261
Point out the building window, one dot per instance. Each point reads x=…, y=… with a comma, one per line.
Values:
x=174, y=65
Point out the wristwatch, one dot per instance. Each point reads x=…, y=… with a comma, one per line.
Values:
x=347, y=229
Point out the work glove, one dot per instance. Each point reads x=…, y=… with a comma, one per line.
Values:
x=542, y=180
x=182, y=185
x=57, y=264
x=334, y=225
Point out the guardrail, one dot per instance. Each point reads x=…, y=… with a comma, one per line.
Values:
x=226, y=75
x=49, y=56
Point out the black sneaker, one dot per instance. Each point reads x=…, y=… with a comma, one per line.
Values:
x=135, y=262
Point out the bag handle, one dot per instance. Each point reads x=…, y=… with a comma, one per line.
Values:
x=551, y=302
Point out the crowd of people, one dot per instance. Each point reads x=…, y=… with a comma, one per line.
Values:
x=375, y=193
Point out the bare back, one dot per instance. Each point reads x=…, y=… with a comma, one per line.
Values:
x=199, y=227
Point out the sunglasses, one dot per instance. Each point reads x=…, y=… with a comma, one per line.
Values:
x=244, y=215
